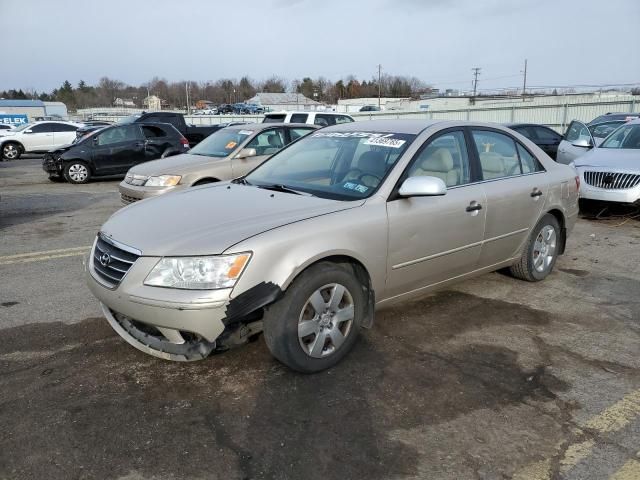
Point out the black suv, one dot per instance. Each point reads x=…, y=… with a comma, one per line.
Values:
x=113, y=150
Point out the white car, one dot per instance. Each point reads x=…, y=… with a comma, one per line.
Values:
x=611, y=171
x=322, y=119
x=5, y=127
x=37, y=137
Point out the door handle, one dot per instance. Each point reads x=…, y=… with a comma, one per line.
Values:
x=474, y=207
x=536, y=193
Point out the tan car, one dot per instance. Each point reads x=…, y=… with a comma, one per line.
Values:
x=306, y=247
x=228, y=153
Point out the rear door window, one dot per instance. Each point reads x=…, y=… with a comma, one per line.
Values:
x=546, y=134
x=63, y=127
x=296, y=133
x=497, y=153
x=299, y=117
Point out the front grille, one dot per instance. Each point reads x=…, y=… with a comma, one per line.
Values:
x=611, y=181
x=127, y=199
x=111, y=263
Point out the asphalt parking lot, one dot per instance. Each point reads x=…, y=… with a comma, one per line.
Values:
x=493, y=379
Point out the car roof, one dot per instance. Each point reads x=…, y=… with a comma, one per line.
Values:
x=413, y=127
x=516, y=124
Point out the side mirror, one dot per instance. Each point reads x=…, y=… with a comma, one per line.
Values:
x=246, y=152
x=582, y=143
x=422, y=187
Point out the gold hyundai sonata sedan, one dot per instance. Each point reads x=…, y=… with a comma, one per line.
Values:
x=305, y=247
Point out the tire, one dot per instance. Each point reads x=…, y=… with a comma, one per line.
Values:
x=299, y=348
x=535, y=265
x=77, y=172
x=11, y=151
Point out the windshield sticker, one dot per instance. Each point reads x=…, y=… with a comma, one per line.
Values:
x=230, y=145
x=347, y=134
x=245, y=132
x=385, y=141
x=355, y=186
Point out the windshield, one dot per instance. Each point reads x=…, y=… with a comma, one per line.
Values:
x=129, y=119
x=22, y=127
x=336, y=165
x=627, y=137
x=221, y=143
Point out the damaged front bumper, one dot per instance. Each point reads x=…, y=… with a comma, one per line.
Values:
x=52, y=164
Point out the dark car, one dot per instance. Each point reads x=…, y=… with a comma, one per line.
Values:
x=225, y=108
x=112, y=151
x=370, y=108
x=544, y=137
x=193, y=133
x=607, y=117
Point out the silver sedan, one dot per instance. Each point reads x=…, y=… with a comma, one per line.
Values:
x=308, y=245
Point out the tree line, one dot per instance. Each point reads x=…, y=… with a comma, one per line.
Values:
x=227, y=90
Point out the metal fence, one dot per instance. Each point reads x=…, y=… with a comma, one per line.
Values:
x=555, y=116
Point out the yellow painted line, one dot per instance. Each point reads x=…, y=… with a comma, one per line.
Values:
x=611, y=419
x=42, y=256
x=618, y=415
x=629, y=471
x=575, y=453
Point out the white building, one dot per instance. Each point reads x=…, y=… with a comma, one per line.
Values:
x=152, y=102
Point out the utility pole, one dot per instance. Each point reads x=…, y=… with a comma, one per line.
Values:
x=476, y=72
x=524, y=82
x=379, y=83
x=186, y=89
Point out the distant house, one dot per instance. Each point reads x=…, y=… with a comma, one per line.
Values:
x=284, y=101
x=152, y=102
x=124, y=102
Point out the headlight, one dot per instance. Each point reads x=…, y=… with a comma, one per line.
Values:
x=198, y=273
x=163, y=181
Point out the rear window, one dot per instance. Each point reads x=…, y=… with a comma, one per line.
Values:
x=221, y=143
x=153, y=132
x=277, y=118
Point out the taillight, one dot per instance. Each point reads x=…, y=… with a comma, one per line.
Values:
x=184, y=141
x=578, y=182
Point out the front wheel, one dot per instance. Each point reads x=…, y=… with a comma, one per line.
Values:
x=540, y=252
x=77, y=172
x=318, y=320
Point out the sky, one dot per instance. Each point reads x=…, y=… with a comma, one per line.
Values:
x=566, y=42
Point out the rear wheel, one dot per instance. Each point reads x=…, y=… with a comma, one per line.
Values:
x=540, y=252
x=77, y=172
x=11, y=151
x=317, y=322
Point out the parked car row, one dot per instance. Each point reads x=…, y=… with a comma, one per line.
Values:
x=236, y=108
x=305, y=245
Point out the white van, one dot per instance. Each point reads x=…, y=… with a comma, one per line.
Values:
x=323, y=119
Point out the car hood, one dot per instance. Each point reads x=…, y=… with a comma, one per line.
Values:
x=174, y=165
x=209, y=219
x=63, y=148
x=610, y=158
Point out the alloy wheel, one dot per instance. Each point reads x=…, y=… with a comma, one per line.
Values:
x=326, y=320
x=10, y=151
x=544, y=248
